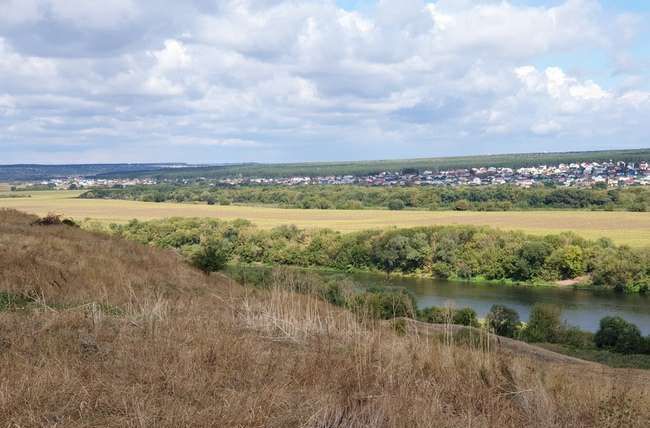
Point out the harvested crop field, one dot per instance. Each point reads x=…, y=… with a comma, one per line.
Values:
x=622, y=227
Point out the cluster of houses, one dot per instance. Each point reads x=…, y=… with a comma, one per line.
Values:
x=85, y=182
x=584, y=174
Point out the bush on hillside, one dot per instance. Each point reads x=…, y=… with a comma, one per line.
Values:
x=466, y=316
x=503, y=321
x=544, y=324
x=211, y=255
x=377, y=303
x=54, y=220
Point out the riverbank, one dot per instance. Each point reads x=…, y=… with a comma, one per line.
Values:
x=580, y=283
x=581, y=307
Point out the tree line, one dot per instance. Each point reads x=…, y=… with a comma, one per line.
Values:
x=474, y=198
x=455, y=252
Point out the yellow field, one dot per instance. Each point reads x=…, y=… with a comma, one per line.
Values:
x=623, y=227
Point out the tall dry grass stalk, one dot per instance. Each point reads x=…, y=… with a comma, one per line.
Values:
x=128, y=336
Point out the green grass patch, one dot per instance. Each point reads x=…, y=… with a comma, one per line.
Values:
x=10, y=301
x=611, y=359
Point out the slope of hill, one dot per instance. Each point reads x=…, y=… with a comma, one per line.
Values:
x=98, y=331
x=371, y=167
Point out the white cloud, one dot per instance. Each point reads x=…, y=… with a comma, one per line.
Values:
x=310, y=79
x=568, y=92
x=173, y=56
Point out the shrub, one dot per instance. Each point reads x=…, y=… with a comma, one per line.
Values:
x=69, y=222
x=544, y=324
x=613, y=270
x=618, y=335
x=12, y=301
x=575, y=337
x=441, y=270
x=434, y=315
x=568, y=261
x=530, y=259
x=396, y=205
x=211, y=255
x=503, y=321
x=462, y=205
x=54, y=220
x=466, y=316
x=383, y=304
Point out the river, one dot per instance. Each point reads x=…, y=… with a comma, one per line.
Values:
x=580, y=307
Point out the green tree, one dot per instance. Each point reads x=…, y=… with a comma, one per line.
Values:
x=544, y=324
x=390, y=253
x=618, y=335
x=568, y=261
x=530, y=259
x=613, y=269
x=503, y=321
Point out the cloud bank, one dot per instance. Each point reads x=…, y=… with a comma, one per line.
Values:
x=264, y=80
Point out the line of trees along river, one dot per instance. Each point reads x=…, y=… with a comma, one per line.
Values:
x=450, y=252
x=476, y=198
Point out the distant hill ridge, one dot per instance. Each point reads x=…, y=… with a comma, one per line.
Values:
x=31, y=172
x=370, y=167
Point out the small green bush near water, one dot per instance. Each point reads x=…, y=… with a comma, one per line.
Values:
x=618, y=335
x=503, y=321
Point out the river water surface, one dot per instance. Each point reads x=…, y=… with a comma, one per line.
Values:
x=580, y=307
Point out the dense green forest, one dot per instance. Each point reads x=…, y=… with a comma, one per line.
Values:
x=460, y=252
x=372, y=167
x=480, y=198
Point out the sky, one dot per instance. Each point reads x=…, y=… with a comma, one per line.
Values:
x=211, y=81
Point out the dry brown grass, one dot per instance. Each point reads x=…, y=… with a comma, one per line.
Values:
x=186, y=349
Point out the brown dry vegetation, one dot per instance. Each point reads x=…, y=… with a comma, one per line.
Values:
x=118, y=334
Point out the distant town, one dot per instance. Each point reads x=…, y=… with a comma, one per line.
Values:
x=584, y=174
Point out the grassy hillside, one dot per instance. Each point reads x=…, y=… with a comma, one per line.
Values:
x=370, y=167
x=97, y=331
